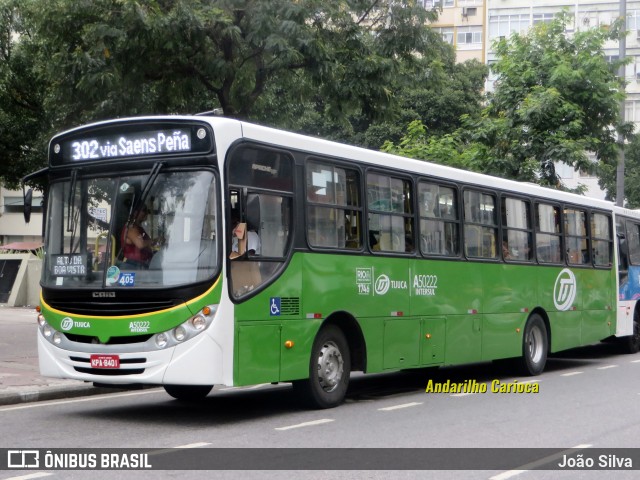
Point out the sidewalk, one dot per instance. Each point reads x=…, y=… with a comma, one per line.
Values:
x=20, y=379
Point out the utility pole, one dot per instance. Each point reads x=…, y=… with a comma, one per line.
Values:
x=621, y=74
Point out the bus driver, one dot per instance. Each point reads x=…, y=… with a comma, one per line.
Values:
x=136, y=243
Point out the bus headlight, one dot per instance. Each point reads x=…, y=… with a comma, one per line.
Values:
x=47, y=330
x=57, y=338
x=199, y=322
x=180, y=333
x=161, y=340
x=188, y=329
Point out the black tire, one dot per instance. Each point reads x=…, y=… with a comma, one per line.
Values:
x=188, y=393
x=329, y=370
x=631, y=344
x=535, y=346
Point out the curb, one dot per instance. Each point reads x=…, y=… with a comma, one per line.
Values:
x=31, y=394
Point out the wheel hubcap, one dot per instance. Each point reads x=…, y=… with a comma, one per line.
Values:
x=535, y=345
x=330, y=367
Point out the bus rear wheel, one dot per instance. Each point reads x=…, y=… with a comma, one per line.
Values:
x=535, y=346
x=188, y=393
x=329, y=370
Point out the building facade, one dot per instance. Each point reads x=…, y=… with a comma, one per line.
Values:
x=13, y=228
x=500, y=18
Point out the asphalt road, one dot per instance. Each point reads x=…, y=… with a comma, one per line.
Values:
x=588, y=398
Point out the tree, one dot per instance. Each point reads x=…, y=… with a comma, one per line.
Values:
x=22, y=116
x=95, y=59
x=556, y=98
x=632, y=173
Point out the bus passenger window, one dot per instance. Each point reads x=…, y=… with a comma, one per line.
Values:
x=548, y=233
x=439, y=228
x=333, y=216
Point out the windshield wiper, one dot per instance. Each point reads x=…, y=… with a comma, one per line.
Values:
x=71, y=201
x=148, y=183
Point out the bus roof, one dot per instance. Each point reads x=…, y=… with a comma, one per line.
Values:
x=283, y=138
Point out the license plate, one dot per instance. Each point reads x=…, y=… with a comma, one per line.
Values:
x=105, y=361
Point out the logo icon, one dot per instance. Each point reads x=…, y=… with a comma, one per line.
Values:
x=382, y=285
x=66, y=324
x=23, y=459
x=564, y=291
x=275, y=306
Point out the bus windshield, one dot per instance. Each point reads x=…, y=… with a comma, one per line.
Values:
x=140, y=231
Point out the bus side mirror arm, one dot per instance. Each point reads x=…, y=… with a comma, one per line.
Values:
x=28, y=199
x=28, y=194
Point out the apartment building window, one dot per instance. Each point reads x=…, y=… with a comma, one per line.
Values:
x=542, y=17
x=469, y=35
x=15, y=204
x=633, y=20
x=438, y=3
x=632, y=111
x=504, y=25
x=446, y=32
x=564, y=171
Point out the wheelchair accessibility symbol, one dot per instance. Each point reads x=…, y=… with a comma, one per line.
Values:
x=275, y=306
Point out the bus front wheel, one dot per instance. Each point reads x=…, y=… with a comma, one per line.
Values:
x=329, y=370
x=188, y=393
x=535, y=346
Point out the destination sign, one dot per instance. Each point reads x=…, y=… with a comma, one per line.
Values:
x=129, y=145
x=68, y=265
x=130, y=140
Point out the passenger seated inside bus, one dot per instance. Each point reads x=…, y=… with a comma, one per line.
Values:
x=136, y=243
x=243, y=240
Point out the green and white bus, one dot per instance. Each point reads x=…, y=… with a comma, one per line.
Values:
x=361, y=261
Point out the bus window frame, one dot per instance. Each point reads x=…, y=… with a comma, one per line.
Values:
x=496, y=226
x=626, y=228
x=244, y=192
x=411, y=216
x=530, y=230
x=559, y=235
x=610, y=240
x=567, y=236
x=457, y=221
x=333, y=163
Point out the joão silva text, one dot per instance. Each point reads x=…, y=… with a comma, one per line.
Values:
x=472, y=386
x=604, y=461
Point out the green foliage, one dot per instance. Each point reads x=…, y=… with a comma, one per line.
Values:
x=336, y=64
x=632, y=173
x=445, y=149
x=556, y=98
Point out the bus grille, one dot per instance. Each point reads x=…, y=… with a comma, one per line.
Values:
x=111, y=309
x=112, y=341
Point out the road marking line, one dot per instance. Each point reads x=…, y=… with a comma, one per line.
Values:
x=78, y=400
x=193, y=445
x=571, y=374
x=397, y=407
x=635, y=361
x=532, y=465
x=30, y=476
x=306, y=424
x=607, y=367
x=162, y=451
x=508, y=474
